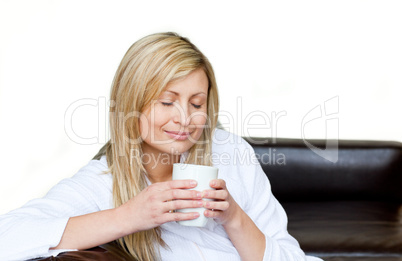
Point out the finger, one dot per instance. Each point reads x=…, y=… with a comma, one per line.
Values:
x=179, y=184
x=216, y=205
x=180, y=204
x=177, y=216
x=180, y=194
x=217, y=184
x=215, y=194
x=212, y=214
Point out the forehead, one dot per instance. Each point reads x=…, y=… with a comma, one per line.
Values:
x=194, y=82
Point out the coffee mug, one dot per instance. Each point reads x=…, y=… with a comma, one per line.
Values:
x=203, y=175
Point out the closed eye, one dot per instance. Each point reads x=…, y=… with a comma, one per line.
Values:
x=196, y=106
x=167, y=103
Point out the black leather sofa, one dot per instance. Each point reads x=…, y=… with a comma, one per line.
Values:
x=345, y=207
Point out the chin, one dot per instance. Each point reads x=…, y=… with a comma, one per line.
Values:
x=180, y=148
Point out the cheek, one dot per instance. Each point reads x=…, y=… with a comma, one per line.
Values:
x=160, y=118
x=155, y=119
x=199, y=119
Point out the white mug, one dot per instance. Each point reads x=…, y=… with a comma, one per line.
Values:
x=203, y=175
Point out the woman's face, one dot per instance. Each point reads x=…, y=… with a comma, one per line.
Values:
x=174, y=122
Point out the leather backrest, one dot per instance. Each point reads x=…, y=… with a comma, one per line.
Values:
x=364, y=170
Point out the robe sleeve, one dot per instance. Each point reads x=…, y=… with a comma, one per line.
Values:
x=30, y=231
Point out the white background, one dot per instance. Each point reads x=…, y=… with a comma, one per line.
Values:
x=278, y=57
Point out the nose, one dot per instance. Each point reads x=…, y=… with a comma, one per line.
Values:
x=181, y=115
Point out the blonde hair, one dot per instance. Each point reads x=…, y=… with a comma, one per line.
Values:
x=145, y=70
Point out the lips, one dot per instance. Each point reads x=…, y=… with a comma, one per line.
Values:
x=178, y=135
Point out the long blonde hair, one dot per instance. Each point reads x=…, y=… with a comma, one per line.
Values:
x=145, y=70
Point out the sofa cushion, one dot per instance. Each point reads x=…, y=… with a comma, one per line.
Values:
x=106, y=252
x=363, y=258
x=353, y=227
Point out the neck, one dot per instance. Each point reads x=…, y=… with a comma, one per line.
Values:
x=159, y=166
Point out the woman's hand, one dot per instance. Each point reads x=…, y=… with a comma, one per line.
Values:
x=155, y=205
x=224, y=209
x=243, y=233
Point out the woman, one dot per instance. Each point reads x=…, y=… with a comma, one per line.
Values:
x=164, y=110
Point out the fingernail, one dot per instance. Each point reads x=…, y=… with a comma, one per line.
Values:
x=193, y=183
x=200, y=203
x=199, y=195
x=205, y=194
x=213, y=183
x=196, y=214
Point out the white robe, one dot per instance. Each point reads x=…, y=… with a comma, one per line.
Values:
x=29, y=232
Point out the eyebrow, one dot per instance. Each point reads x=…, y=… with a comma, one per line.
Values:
x=177, y=94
